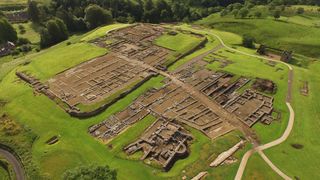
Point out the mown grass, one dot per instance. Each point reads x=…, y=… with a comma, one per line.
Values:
x=101, y=31
x=60, y=58
x=302, y=163
x=280, y=34
x=177, y=42
x=259, y=169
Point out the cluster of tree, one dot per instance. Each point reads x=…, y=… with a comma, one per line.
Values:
x=78, y=15
x=239, y=10
x=7, y=32
x=54, y=32
x=90, y=172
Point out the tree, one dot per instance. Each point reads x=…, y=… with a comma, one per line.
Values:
x=7, y=32
x=300, y=10
x=276, y=14
x=91, y=172
x=33, y=11
x=96, y=16
x=55, y=32
x=248, y=41
x=258, y=14
x=243, y=12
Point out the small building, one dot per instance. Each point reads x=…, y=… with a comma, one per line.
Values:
x=6, y=48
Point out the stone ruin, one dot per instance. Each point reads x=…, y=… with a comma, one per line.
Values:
x=169, y=102
x=285, y=56
x=264, y=85
x=252, y=107
x=164, y=142
x=6, y=48
x=137, y=42
x=223, y=88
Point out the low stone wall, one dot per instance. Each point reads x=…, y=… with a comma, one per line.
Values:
x=83, y=115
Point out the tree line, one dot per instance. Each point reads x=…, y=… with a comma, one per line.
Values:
x=63, y=17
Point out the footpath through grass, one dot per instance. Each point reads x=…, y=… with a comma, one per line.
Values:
x=285, y=35
x=303, y=162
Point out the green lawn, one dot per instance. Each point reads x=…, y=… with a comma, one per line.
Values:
x=291, y=36
x=101, y=31
x=4, y=175
x=302, y=163
x=178, y=42
x=60, y=58
x=257, y=168
x=30, y=33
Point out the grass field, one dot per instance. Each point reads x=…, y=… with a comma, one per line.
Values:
x=258, y=169
x=59, y=59
x=177, y=42
x=302, y=163
x=30, y=33
x=101, y=31
x=291, y=36
x=299, y=163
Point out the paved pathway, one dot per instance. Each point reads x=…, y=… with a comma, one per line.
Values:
x=14, y=162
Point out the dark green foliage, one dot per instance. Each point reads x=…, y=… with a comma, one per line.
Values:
x=33, y=11
x=300, y=10
x=55, y=32
x=7, y=32
x=22, y=41
x=248, y=41
x=92, y=172
x=276, y=14
x=96, y=16
x=243, y=12
x=257, y=14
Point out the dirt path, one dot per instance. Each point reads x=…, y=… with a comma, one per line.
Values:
x=222, y=113
x=288, y=130
x=14, y=162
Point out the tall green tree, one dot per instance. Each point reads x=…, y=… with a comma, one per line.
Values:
x=276, y=14
x=96, y=16
x=55, y=32
x=7, y=32
x=33, y=11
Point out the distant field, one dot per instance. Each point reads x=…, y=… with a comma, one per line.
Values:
x=20, y=2
x=301, y=39
x=12, y=2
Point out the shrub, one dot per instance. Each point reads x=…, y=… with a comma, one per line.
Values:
x=90, y=172
x=248, y=41
x=22, y=41
x=300, y=10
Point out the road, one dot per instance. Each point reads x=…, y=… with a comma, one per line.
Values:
x=286, y=133
x=15, y=164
